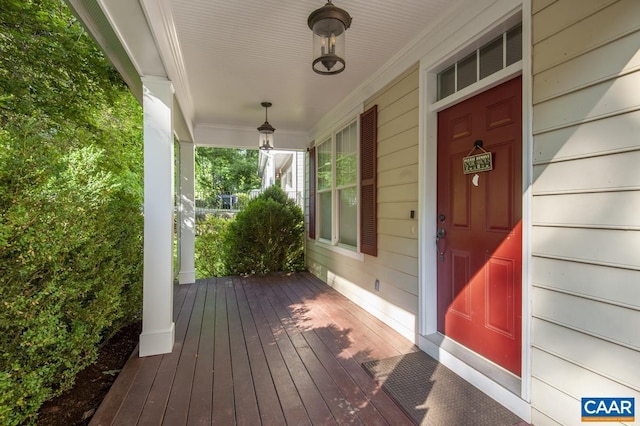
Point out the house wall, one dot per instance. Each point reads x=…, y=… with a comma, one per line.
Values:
x=586, y=198
x=396, y=266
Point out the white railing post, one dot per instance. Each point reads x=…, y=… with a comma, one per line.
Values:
x=187, y=214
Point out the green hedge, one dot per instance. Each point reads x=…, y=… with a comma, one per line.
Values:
x=70, y=204
x=70, y=266
x=210, y=250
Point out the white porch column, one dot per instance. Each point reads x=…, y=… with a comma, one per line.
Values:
x=157, y=307
x=186, y=243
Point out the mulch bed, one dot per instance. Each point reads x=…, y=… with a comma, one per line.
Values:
x=77, y=405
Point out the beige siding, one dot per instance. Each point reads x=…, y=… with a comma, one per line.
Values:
x=586, y=187
x=396, y=266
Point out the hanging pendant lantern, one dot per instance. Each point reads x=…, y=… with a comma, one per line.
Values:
x=266, y=130
x=329, y=24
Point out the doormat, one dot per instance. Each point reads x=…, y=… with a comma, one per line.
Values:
x=431, y=394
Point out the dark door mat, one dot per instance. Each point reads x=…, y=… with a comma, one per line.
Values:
x=431, y=394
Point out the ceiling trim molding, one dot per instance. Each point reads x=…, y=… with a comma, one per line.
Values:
x=160, y=20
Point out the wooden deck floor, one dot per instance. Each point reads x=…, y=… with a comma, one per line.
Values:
x=279, y=349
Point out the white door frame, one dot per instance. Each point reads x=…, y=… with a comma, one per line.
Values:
x=467, y=35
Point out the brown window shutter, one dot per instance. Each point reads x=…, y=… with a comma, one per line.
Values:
x=312, y=193
x=368, y=181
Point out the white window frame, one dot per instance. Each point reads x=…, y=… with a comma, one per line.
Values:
x=334, y=243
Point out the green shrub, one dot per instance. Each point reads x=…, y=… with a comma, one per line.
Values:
x=210, y=246
x=267, y=236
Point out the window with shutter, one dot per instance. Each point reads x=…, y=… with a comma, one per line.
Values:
x=368, y=181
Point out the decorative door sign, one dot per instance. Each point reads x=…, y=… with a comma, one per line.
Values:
x=477, y=163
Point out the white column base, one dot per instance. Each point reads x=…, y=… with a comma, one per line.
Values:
x=187, y=277
x=157, y=342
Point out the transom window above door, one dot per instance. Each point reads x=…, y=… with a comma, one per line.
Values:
x=491, y=57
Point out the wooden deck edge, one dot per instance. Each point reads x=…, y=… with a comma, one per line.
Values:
x=112, y=402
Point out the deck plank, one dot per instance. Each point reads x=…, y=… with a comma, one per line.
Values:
x=223, y=409
x=267, y=397
x=158, y=396
x=200, y=404
x=178, y=406
x=315, y=406
x=331, y=393
x=247, y=412
x=290, y=400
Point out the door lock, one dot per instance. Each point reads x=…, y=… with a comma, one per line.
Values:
x=439, y=237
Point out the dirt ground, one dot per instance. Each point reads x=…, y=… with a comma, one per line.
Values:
x=76, y=406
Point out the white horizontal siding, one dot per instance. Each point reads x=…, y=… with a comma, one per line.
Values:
x=398, y=210
x=599, y=246
x=563, y=14
x=551, y=406
x=399, y=245
x=575, y=381
x=577, y=38
x=605, y=99
x=604, y=63
x=605, y=210
x=586, y=184
x=603, y=173
x=589, y=139
x=622, y=285
x=402, y=140
x=588, y=352
x=608, y=322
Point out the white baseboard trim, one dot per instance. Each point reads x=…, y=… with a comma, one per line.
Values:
x=397, y=318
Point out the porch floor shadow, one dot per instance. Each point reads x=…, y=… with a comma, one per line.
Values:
x=272, y=350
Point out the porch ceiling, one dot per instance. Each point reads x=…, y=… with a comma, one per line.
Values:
x=225, y=57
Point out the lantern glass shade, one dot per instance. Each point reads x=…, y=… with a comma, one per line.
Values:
x=266, y=141
x=328, y=46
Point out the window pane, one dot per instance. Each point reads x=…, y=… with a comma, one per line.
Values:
x=325, y=215
x=491, y=57
x=348, y=216
x=324, y=165
x=467, y=71
x=447, y=82
x=514, y=45
x=346, y=161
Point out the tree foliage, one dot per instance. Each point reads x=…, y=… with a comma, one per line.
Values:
x=225, y=171
x=70, y=203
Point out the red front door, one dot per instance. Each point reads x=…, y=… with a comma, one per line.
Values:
x=479, y=225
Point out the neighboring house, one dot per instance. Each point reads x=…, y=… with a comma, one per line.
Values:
x=524, y=279
x=284, y=168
